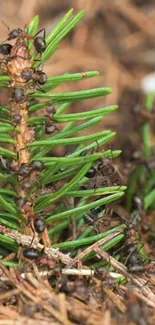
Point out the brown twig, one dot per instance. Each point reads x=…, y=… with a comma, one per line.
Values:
x=27, y=240
x=137, y=281
x=88, y=250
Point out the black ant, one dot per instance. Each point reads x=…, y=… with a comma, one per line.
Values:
x=39, y=41
x=34, y=254
x=37, y=76
x=25, y=169
x=106, y=169
x=49, y=126
x=92, y=216
x=104, y=174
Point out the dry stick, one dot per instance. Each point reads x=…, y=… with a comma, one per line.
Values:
x=75, y=272
x=115, y=299
x=88, y=250
x=140, y=283
x=26, y=240
x=20, y=60
x=33, y=291
x=37, y=299
x=135, y=16
x=9, y=294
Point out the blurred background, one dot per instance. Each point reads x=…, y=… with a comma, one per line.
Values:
x=116, y=37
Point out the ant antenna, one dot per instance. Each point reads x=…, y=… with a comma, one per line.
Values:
x=8, y=28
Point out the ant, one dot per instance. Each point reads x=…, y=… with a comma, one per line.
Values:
x=18, y=95
x=39, y=77
x=49, y=126
x=34, y=254
x=106, y=173
x=134, y=261
x=38, y=223
x=92, y=217
x=39, y=41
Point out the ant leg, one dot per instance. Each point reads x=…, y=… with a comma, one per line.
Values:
x=3, y=163
x=8, y=28
x=40, y=88
x=32, y=227
x=96, y=146
x=41, y=30
x=129, y=256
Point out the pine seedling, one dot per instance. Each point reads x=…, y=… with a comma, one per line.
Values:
x=43, y=196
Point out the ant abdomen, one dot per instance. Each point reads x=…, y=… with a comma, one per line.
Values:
x=39, y=225
x=18, y=95
x=31, y=253
x=5, y=48
x=91, y=173
x=39, y=44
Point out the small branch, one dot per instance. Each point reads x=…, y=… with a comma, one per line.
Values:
x=139, y=283
x=92, y=247
x=26, y=241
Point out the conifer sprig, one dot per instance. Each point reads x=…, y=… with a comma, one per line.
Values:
x=34, y=182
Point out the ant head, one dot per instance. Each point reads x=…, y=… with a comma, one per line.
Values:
x=42, y=78
x=14, y=34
